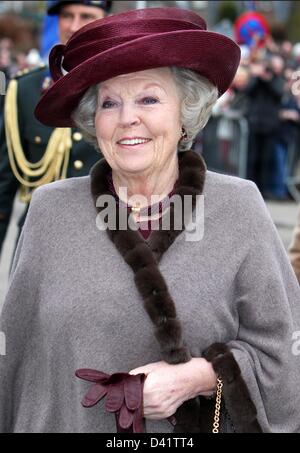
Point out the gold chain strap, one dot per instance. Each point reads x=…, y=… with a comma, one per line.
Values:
x=216, y=423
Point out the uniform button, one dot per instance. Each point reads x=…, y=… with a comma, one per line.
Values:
x=37, y=140
x=78, y=164
x=46, y=83
x=77, y=136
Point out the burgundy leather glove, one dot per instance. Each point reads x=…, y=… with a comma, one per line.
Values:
x=124, y=397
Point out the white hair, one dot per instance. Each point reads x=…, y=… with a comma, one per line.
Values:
x=198, y=96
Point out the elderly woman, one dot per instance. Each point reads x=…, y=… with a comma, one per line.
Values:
x=191, y=295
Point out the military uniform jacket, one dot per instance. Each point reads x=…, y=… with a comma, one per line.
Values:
x=34, y=140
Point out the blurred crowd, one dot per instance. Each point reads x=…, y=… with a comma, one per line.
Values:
x=19, y=40
x=266, y=92
x=13, y=60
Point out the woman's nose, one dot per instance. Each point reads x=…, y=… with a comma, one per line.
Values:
x=129, y=116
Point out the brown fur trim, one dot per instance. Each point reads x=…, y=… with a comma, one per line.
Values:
x=143, y=257
x=142, y=251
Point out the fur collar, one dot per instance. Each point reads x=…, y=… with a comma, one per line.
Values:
x=143, y=258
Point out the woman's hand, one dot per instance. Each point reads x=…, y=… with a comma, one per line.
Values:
x=168, y=386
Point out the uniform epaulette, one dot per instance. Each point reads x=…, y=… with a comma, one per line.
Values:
x=27, y=71
x=54, y=163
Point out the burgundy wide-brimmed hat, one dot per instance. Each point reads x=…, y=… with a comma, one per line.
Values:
x=129, y=42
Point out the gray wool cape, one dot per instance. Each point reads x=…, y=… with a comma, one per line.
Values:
x=72, y=303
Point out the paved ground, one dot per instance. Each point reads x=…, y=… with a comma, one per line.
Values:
x=8, y=249
x=283, y=214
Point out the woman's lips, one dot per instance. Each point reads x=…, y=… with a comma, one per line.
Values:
x=133, y=145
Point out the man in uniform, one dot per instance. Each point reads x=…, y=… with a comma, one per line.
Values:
x=32, y=154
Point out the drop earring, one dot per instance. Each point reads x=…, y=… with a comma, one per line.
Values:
x=184, y=136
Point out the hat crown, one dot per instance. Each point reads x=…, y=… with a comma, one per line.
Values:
x=105, y=34
x=143, y=16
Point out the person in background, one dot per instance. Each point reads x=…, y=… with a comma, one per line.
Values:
x=265, y=91
x=32, y=154
x=286, y=137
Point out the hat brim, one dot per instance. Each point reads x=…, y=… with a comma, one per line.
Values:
x=213, y=55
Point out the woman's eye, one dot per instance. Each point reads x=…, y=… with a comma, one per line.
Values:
x=149, y=100
x=108, y=104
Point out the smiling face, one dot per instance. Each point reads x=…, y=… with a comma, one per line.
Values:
x=137, y=122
